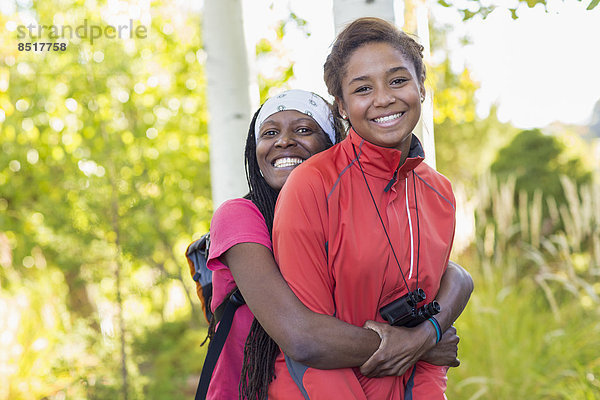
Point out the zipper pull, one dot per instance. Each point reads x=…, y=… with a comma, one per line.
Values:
x=391, y=182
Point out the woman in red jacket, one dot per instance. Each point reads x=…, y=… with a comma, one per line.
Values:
x=360, y=226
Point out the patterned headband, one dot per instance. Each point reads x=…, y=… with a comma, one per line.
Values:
x=300, y=100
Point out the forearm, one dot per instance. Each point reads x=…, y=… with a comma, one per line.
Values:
x=455, y=290
x=313, y=339
x=316, y=340
x=329, y=343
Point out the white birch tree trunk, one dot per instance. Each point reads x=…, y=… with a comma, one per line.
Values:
x=345, y=11
x=424, y=129
x=228, y=97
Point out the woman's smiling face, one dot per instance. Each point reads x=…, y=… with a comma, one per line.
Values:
x=381, y=95
x=284, y=141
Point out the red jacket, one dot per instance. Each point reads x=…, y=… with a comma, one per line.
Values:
x=333, y=251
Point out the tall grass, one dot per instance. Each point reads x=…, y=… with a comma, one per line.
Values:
x=532, y=327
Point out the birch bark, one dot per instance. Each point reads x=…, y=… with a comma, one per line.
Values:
x=228, y=97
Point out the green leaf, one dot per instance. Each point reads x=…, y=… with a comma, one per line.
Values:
x=299, y=21
x=467, y=14
x=485, y=11
x=280, y=30
x=263, y=46
x=592, y=4
x=533, y=3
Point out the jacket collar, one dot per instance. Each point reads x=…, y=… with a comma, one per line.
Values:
x=380, y=161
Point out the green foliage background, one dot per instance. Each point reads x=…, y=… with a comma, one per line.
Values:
x=537, y=161
x=104, y=180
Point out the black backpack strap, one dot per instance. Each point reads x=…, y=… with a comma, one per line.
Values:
x=220, y=310
x=231, y=304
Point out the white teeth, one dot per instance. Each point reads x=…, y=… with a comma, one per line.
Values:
x=388, y=118
x=287, y=162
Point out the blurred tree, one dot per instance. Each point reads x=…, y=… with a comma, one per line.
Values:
x=466, y=144
x=416, y=22
x=538, y=161
x=228, y=96
x=484, y=8
x=166, y=354
x=595, y=121
x=275, y=68
x=466, y=148
x=103, y=179
x=346, y=11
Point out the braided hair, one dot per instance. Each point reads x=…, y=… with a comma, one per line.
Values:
x=260, y=350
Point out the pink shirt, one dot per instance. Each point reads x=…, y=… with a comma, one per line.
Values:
x=235, y=221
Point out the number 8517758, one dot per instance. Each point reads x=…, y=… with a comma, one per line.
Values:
x=41, y=46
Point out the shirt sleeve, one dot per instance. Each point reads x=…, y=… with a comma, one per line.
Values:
x=235, y=221
x=299, y=240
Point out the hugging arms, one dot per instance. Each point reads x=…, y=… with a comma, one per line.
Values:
x=325, y=342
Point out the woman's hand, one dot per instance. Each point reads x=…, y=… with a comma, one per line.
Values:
x=400, y=348
x=446, y=351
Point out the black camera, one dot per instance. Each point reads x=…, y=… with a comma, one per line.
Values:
x=404, y=311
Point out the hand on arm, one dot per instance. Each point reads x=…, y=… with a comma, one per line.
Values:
x=446, y=351
x=402, y=347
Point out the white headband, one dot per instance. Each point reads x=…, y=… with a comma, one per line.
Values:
x=300, y=100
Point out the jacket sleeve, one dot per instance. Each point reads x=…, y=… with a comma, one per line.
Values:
x=299, y=242
x=427, y=382
x=295, y=381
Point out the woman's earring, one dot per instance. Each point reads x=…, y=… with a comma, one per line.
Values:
x=344, y=116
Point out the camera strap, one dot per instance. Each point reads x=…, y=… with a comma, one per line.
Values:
x=383, y=224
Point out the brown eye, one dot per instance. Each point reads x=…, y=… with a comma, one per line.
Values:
x=361, y=89
x=269, y=132
x=399, y=81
